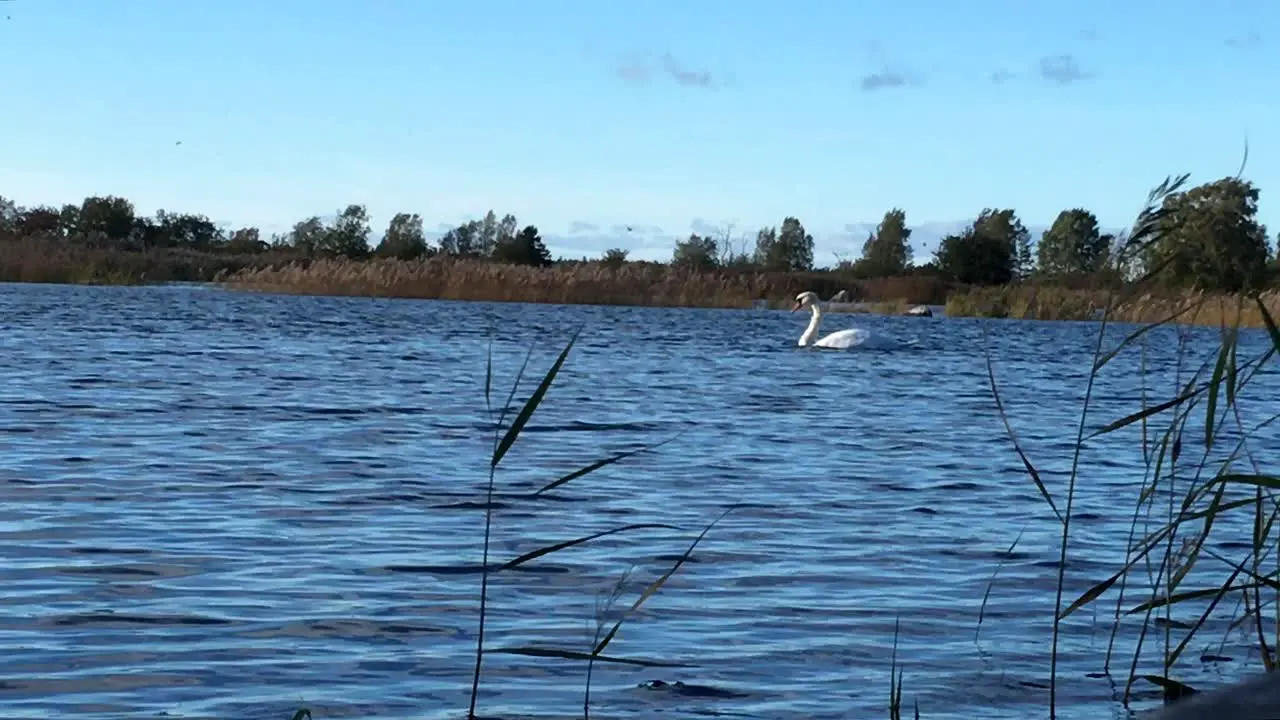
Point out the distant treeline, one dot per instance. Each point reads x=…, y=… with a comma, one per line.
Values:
x=1208, y=239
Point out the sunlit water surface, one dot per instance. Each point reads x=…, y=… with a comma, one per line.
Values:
x=229, y=505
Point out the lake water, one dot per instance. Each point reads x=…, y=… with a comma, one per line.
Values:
x=222, y=505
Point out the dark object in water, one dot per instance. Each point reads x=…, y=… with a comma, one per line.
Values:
x=920, y=311
x=1257, y=698
x=680, y=688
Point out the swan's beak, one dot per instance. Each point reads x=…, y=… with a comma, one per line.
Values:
x=796, y=306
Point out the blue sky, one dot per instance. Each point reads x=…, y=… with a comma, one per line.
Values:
x=584, y=116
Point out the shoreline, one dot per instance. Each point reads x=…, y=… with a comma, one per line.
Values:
x=1213, y=311
x=627, y=284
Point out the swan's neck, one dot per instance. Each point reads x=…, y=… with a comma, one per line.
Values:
x=811, y=332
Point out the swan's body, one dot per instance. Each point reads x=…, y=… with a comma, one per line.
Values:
x=840, y=339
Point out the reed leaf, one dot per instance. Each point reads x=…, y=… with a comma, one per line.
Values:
x=1232, y=375
x=1193, y=515
x=1194, y=553
x=1211, y=410
x=1152, y=542
x=1264, y=481
x=1221, y=592
x=511, y=394
x=605, y=462
x=1110, y=355
x=1184, y=596
x=547, y=550
x=530, y=405
x=1259, y=581
x=1092, y=593
x=1270, y=323
x=895, y=676
x=656, y=585
x=1173, y=690
x=488, y=376
x=1013, y=436
x=986, y=594
x=1147, y=412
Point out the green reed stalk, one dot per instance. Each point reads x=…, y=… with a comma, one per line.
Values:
x=502, y=444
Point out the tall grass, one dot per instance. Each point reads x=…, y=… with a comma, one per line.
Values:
x=631, y=283
x=507, y=429
x=1189, y=500
x=505, y=435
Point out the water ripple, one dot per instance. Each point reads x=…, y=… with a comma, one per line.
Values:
x=225, y=505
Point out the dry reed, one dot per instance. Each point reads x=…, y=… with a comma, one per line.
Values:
x=41, y=260
x=590, y=283
x=1032, y=302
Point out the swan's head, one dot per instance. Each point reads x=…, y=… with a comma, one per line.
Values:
x=805, y=299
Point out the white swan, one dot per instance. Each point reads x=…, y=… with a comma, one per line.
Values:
x=838, y=339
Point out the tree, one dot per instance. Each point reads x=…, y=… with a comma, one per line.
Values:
x=349, y=236
x=1210, y=238
x=506, y=228
x=10, y=215
x=525, y=248
x=487, y=235
x=887, y=251
x=696, y=253
x=307, y=236
x=105, y=220
x=69, y=219
x=148, y=235
x=732, y=247
x=987, y=252
x=1024, y=260
x=615, y=257
x=404, y=238
x=180, y=230
x=40, y=221
x=766, y=247
x=787, y=249
x=1073, y=245
x=462, y=240
x=246, y=240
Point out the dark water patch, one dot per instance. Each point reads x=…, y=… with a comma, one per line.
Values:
x=91, y=550
x=121, y=620
x=351, y=628
x=958, y=486
x=384, y=499
x=471, y=505
x=125, y=572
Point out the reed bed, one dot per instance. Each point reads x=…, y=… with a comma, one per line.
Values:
x=1203, y=483
x=884, y=307
x=1037, y=302
x=41, y=260
x=1026, y=302
x=590, y=283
